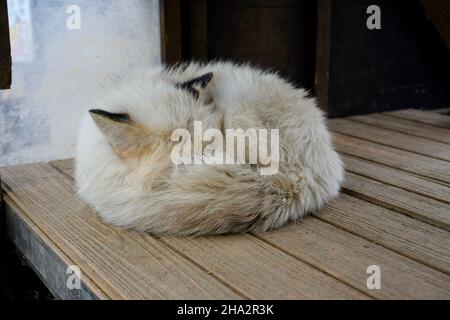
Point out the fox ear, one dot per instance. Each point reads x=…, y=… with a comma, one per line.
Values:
x=121, y=132
x=198, y=87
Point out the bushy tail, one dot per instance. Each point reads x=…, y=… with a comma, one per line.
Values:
x=220, y=199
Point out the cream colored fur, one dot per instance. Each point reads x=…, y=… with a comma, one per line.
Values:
x=125, y=171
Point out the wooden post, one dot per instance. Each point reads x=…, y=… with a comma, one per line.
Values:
x=5, y=48
x=199, y=34
x=170, y=24
x=439, y=12
x=323, y=54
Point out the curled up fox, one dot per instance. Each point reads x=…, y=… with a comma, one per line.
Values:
x=125, y=166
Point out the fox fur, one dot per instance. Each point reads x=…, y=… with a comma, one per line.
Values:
x=124, y=169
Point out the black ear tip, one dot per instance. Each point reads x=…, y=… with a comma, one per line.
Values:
x=120, y=117
x=205, y=79
x=208, y=76
x=97, y=111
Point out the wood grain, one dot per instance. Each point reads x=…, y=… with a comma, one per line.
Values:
x=407, y=236
x=346, y=257
x=315, y=238
x=396, y=177
x=410, y=127
x=414, y=205
x=120, y=267
x=221, y=256
x=391, y=138
x=259, y=271
x=46, y=259
x=66, y=166
x=441, y=110
x=432, y=118
x=400, y=159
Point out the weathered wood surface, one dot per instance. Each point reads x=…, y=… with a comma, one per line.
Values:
x=433, y=118
x=424, y=166
x=229, y=255
x=347, y=257
x=406, y=126
x=414, y=205
x=445, y=111
x=127, y=267
x=410, y=237
x=390, y=214
x=391, y=138
x=43, y=255
x=343, y=269
x=396, y=177
x=120, y=267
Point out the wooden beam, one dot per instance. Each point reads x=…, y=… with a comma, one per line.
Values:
x=439, y=12
x=198, y=29
x=170, y=24
x=5, y=48
x=323, y=53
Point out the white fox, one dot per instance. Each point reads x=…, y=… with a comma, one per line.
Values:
x=124, y=168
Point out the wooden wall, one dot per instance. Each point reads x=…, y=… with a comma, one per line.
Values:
x=439, y=13
x=325, y=46
x=405, y=64
x=272, y=34
x=278, y=34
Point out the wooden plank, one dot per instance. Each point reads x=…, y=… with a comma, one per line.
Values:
x=391, y=138
x=441, y=110
x=259, y=271
x=407, y=236
x=398, y=178
x=411, y=204
x=119, y=266
x=46, y=259
x=316, y=238
x=66, y=166
x=254, y=286
x=346, y=257
x=406, y=126
x=400, y=159
x=435, y=119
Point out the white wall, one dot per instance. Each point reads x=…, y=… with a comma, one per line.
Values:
x=57, y=71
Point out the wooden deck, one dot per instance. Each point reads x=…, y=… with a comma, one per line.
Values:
x=393, y=212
